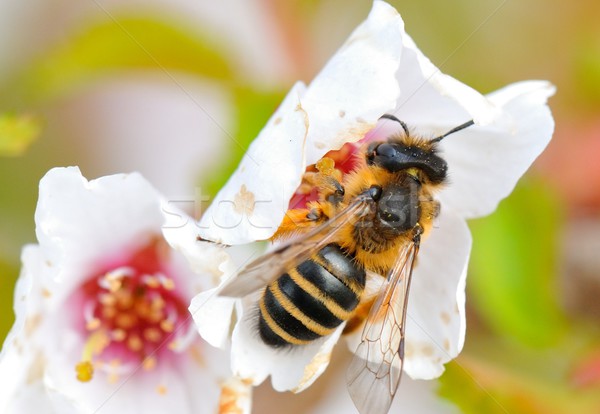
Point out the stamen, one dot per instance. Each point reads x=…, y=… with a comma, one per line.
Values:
x=134, y=342
x=127, y=312
x=152, y=334
x=166, y=282
x=113, y=280
x=125, y=300
x=96, y=343
x=109, y=312
x=85, y=371
x=126, y=320
x=150, y=281
x=149, y=363
x=107, y=299
x=93, y=324
x=167, y=326
x=118, y=335
x=158, y=303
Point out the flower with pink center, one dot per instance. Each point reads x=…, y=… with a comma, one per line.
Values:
x=101, y=305
x=131, y=308
x=378, y=70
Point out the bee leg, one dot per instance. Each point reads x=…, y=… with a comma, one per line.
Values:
x=301, y=220
x=328, y=181
x=199, y=238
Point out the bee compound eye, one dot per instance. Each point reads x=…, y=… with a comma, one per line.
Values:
x=386, y=150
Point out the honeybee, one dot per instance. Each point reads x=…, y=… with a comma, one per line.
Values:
x=369, y=221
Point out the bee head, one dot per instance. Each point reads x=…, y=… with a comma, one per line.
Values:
x=396, y=156
x=403, y=153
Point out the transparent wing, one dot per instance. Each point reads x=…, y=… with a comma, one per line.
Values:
x=374, y=374
x=268, y=267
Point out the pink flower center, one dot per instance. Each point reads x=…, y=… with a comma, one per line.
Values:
x=131, y=313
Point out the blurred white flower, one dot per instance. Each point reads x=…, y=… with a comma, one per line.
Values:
x=101, y=305
x=379, y=70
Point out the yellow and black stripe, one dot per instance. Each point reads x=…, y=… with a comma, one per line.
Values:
x=310, y=301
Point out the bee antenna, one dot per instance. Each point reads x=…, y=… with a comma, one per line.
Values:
x=453, y=130
x=393, y=118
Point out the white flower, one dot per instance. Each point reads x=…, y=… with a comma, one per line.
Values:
x=101, y=305
x=378, y=70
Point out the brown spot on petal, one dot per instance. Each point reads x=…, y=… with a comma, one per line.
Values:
x=342, y=114
x=36, y=369
x=46, y=293
x=447, y=344
x=427, y=350
x=31, y=324
x=277, y=121
x=445, y=318
x=162, y=389
x=244, y=201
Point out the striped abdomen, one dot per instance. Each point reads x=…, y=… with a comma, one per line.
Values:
x=311, y=300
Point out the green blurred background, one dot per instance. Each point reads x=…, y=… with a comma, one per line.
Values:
x=178, y=89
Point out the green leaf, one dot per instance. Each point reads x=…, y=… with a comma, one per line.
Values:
x=118, y=43
x=513, y=272
x=17, y=132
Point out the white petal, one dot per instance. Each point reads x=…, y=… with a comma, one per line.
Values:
x=485, y=163
x=202, y=263
x=342, y=103
x=254, y=200
x=213, y=316
x=294, y=369
x=79, y=221
x=357, y=85
x=435, y=329
x=185, y=383
x=433, y=102
x=17, y=359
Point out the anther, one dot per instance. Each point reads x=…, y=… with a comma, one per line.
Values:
x=85, y=371
x=149, y=363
